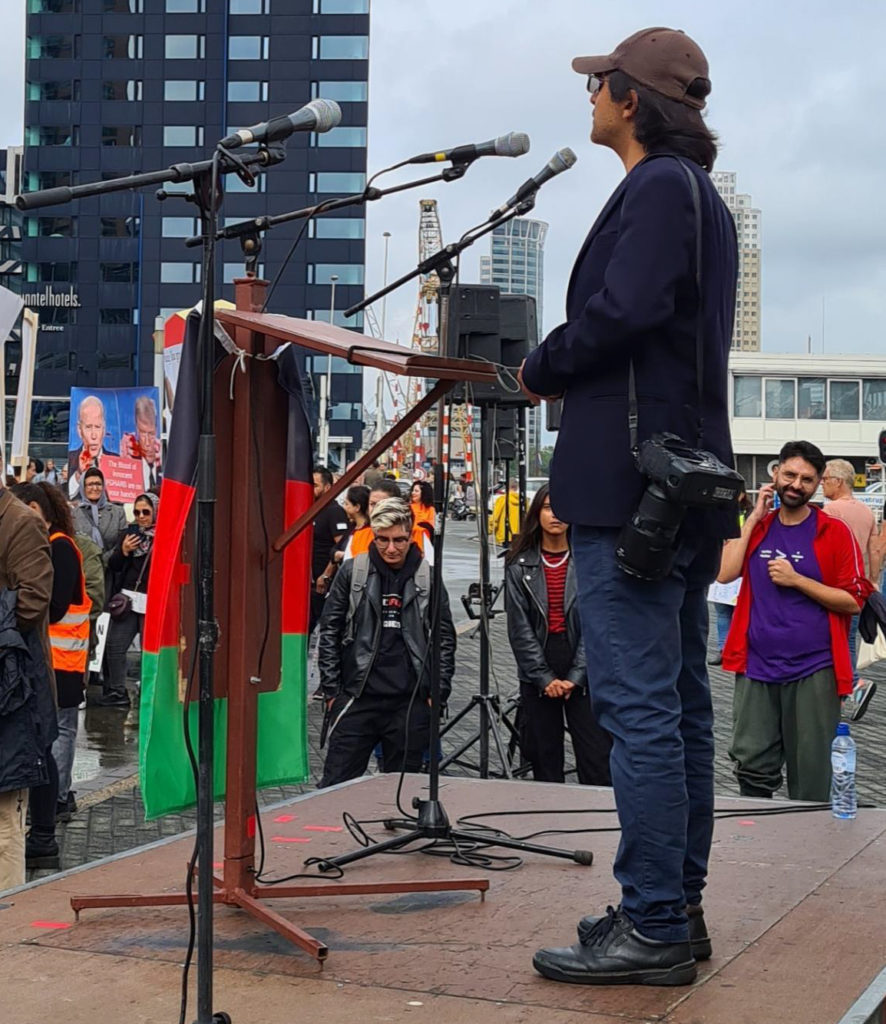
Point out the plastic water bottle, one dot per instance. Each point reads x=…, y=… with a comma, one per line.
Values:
x=844, y=802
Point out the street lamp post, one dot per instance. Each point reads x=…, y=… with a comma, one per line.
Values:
x=326, y=385
x=386, y=235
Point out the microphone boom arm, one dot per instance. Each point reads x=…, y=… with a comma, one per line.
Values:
x=245, y=228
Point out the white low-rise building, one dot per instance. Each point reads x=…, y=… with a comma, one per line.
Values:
x=836, y=401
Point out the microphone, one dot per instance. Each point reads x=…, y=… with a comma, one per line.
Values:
x=561, y=161
x=317, y=116
x=512, y=144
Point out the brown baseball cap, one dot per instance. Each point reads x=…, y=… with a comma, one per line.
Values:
x=665, y=60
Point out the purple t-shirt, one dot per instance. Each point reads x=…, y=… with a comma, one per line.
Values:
x=788, y=635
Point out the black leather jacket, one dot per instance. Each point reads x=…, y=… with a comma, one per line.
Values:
x=526, y=602
x=345, y=665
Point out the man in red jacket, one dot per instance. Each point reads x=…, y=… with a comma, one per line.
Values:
x=802, y=581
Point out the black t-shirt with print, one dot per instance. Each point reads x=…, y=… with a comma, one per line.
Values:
x=392, y=673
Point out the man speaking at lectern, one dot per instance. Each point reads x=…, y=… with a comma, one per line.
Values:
x=633, y=304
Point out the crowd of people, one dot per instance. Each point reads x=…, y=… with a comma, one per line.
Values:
x=63, y=562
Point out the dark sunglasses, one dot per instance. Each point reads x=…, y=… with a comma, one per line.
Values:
x=595, y=82
x=142, y=512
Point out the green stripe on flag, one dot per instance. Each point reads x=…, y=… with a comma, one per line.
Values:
x=165, y=774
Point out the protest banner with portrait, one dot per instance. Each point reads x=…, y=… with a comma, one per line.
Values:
x=115, y=429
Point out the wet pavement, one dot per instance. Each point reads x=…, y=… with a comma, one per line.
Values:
x=111, y=816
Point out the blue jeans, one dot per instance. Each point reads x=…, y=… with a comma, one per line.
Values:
x=64, y=747
x=646, y=645
x=853, y=633
x=724, y=614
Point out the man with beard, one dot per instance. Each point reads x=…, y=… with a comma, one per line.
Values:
x=802, y=581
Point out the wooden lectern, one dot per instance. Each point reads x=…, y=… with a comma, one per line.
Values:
x=250, y=409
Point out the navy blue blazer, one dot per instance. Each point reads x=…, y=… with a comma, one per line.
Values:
x=632, y=295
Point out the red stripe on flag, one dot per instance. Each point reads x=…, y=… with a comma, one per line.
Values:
x=162, y=620
x=297, y=561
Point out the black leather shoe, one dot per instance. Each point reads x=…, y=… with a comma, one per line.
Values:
x=613, y=952
x=699, y=941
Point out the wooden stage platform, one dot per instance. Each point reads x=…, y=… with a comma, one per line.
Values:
x=796, y=907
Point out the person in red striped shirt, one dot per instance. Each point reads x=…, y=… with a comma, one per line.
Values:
x=545, y=635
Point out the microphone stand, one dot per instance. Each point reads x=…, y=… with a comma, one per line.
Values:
x=432, y=821
x=207, y=193
x=252, y=228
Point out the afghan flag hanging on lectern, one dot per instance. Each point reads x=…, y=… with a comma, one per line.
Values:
x=169, y=648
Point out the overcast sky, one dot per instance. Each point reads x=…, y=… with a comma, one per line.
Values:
x=797, y=101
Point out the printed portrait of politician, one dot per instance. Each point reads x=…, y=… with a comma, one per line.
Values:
x=92, y=430
x=144, y=444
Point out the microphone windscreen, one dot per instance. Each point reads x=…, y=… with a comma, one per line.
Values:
x=564, y=158
x=512, y=144
x=327, y=112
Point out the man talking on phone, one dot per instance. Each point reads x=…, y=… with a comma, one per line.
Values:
x=802, y=581
x=643, y=351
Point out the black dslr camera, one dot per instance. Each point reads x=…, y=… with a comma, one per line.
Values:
x=679, y=477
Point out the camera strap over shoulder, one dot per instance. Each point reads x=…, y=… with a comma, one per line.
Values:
x=633, y=417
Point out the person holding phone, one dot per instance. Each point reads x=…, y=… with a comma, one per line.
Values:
x=131, y=562
x=802, y=581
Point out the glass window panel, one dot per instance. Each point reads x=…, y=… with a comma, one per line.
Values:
x=183, y=89
x=341, y=320
x=67, y=90
x=185, y=6
x=119, y=273
x=340, y=137
x=54, y=47
x=183, y=135
x=183, y=47
x=245, y=92
x=51, y=272
x=780, y=399
x=747, y=398
x=120, y=227
x=53, y=6
x=344, y=92
x=179, y=227
x=234, y=184
x=179, y=273
x=337, y=181
x=232, y=270
x=52, y=135
x=52, y=227
x=812, y=398
x=873, y=399
x=49, y=421
x=341, y=6
x=115, y=316
x=343, y=47
x=247, y=47
x=348, y=273
x=123, y=6
x=122, y=89
x=250, y=7
x=844, y=399
x=338, y=227
x=123, y=47
x=122, y=135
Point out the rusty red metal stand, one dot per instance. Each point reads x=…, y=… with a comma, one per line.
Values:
x=248, y=422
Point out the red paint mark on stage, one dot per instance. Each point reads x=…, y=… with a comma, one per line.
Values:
x=289, y=839
x=322, y=828
x=50, y=924
x=747, y=822
x=283, y=818
x=250, y=826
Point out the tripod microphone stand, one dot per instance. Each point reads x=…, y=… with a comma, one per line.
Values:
x=431, y=821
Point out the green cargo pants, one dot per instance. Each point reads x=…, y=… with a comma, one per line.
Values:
x=792, y=725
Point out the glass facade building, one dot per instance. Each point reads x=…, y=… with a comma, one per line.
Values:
x=516, y=266
x=116, y=87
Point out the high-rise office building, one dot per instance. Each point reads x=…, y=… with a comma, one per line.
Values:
x=116, y=87
x=516, y=266
x=746, y=332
